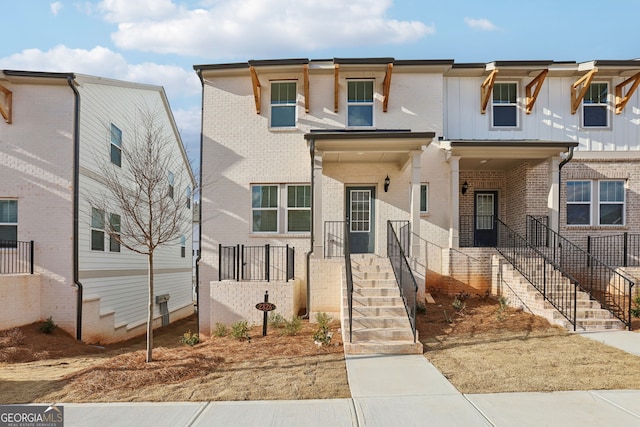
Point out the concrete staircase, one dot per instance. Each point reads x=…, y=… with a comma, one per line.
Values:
x=590, y=316
x=380, y=322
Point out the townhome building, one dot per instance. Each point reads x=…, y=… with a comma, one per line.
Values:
x=313, y=170
x=58, y=258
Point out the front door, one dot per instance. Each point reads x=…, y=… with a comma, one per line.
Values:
x=360, y=210
x=485, y=233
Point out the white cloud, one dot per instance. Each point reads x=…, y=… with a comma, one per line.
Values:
x=480, y=24
x=256, y=28
x=56, y=7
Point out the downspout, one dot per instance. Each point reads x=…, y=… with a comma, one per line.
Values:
x=312, y=152
x=562, y=163
x=76, y=199
x=199, y=257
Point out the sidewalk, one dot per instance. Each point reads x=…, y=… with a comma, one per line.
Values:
x=389, y=391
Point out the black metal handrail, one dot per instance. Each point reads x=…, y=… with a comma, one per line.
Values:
x=16, y=257
x=404, y=276
x=403, y=228
x=349, y=276
x=540, y=271
x=334, y=239
x=620, y=250
x=256, y=263
x=609, y=287
x=468, y=227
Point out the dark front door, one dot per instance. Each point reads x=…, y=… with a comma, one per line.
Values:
x=361, y=213
x=485, y=232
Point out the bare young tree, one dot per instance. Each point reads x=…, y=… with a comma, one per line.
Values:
x=149, y=193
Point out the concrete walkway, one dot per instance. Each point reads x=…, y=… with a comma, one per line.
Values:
x=389, y=391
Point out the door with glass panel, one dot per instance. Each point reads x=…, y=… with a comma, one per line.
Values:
x=361, y=212
x=485, y=233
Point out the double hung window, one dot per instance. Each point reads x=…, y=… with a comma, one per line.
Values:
x=277, y=207
x=171, y=181
x=283, y=104
x=505, y=108
x=264, y=206
x=298, y=208
x=360, y=103
x=424, y=198
x=609, y=208
x=114, y=236
x=8, y=223
x=116, y=145
x=97, y=229
x=594, y=106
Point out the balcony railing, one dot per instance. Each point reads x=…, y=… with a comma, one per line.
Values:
x=256, y=263
x=16, y=257
x=334, y=239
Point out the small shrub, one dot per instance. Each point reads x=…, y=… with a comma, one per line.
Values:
x=276, y=320
x=48, y=326
x=189, y=338
x=220, y=330
x=421, y=308
x=635, y=311
x=503, y=301
x=458, y=304
x=322, y=335
x=447, y=318
x=291, y=327
x=240, y=330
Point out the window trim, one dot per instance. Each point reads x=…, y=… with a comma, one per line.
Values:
x=296, y=208
x=115, y=144
x=361, y=104
x=604, y=104
x=288, y=104
x=507, y=104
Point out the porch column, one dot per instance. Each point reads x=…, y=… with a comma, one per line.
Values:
x=318, y=223
x=416, y=168
x=553, y=199
x=454, y=219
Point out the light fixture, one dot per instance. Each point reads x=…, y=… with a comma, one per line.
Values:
x=387, y=181
x=465, y=187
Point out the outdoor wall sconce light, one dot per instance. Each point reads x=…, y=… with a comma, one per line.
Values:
x=387, y=181
x=465, y=187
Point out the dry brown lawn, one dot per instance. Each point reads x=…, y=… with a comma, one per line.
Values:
x=486, y=351
x=480, y=350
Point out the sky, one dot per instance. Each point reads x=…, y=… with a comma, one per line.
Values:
x=159, y=41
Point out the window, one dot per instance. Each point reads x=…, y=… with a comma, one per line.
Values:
x=183, y=246
x=264, y=206
x=505, y=109
x=424, y=198
x=97, y=229
x=283, y=104
x=360, y=103
x=594, y=106
x=611, y=206
x=579, y=202
x=116, y=145
x=171, y=180
x=298, y=208
x=8, y=223
x=188, y=197
x=114, y=236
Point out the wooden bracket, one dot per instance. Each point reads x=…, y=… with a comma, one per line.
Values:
x=386, y=86
x=537, y=82
x=485, y=90
x=6, y=104
x=336, y=71
x=621, y=100
x=256, y=87
x=305, y=71
x=585, y=81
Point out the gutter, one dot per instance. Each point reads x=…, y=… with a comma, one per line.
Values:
x=312, y=152
x=199, y=257
x=562, y=163
x=76, y=198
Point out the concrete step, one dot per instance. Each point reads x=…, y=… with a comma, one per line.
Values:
x=376, y=292
x=382, y=334
x=377, y=322
x=384, y=311
x=375, y=301
x=383, y=347
x=376, y=275
x=375, y=283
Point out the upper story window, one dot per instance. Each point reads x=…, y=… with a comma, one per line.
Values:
x=264, y=207
x=283, y=104
x=424, y=198
x=183, y=246
x=298, y=208
x=188, y=194
x=114, y=237
x=594, y=106
x=360, y=103
x=171, y=181
x=8, y=223
x=116, y=145
x=504, y=102
x=97, y=229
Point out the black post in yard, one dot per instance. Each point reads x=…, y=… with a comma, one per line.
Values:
x=31, y=256
x=264, y=315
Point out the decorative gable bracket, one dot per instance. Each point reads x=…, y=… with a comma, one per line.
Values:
x=485, y=90
x=537, y=82
x=257, y=90
x=386, y=86
x=585, y=81
x=621, y=101
x=6, y=103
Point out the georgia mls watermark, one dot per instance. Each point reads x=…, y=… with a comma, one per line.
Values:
x=31, y=416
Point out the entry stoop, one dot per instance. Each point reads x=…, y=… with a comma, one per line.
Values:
x=380, y=322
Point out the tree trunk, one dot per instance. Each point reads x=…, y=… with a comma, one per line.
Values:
x=150, y=310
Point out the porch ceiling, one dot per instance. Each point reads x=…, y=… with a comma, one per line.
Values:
x=504, y=155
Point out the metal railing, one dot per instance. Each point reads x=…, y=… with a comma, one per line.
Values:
x=404, y=276
x=620, y=250
x=542, y=272
x=468, y=227
x=601, y=281
x=403, y=232
x=334, y=239
x=16, y=257
x=256, y=263
x=349, y=276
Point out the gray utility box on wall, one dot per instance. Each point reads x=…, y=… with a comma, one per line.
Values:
x=163, y=301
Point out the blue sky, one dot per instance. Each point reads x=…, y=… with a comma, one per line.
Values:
x=159, y=41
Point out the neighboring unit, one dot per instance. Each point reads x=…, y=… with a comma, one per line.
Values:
x=58, y=134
